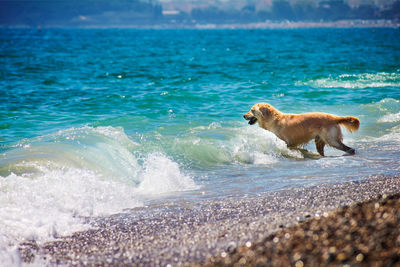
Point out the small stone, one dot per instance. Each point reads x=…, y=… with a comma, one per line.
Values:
x=296, y=256
x=341, y=257
x=231, y=247
x=360, y=257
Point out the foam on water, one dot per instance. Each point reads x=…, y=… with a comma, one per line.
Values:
x=392, y=137
x=354, y=81
x=390, y=107
x=217, y=145
x=162, y=175
x=50, y=184
x=390, y=118
x=103, y=149
x=254, y=145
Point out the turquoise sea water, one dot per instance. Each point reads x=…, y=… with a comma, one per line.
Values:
x=93, y=122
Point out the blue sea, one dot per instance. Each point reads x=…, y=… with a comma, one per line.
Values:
x=95, y=122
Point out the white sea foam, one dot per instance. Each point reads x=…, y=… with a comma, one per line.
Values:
x=393, y=136
x=386, y=105
x=361, y=81
x=214, y=146
x=258, y=146
x=390, y=118
x=162, y=175
x=55, y=203
x=49, y=187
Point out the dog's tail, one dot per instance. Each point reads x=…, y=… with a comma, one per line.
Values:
x=351, y=123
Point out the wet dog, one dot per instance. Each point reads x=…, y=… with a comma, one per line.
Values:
x=299, y=129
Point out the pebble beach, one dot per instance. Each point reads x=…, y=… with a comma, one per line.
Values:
x=365, y=234
x=328, y=224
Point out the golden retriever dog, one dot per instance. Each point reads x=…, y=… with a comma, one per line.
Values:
x=299, y=129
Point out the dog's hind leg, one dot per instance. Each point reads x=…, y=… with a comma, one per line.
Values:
x=344, y=148
x=334, y=138
x=338, y=144
x=320, y=144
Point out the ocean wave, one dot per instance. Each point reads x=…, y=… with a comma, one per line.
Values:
x=162, y=175
x=55, y=204
x=105, y=150
x=216, y=145
x=390, y=117
x=258, y=146
x=50, y=184
x=391, y=137
x=388, y=108
x=385, y=111
x=355, y=81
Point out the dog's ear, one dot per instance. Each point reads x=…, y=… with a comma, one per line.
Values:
x=265, y=111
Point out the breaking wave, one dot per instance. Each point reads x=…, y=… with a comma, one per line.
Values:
x=230, y=145
x=50, y=184
x=355, y=81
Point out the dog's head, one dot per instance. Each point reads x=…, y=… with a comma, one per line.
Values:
x=260, y=112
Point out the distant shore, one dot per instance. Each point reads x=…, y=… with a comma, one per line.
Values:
x=213, y=231
x=256, y=25
x=304, y=25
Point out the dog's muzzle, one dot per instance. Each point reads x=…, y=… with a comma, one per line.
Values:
x=251, y=120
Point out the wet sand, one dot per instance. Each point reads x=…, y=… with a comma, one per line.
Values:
x=224, y=231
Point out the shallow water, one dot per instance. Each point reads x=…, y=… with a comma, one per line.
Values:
x=94, y=122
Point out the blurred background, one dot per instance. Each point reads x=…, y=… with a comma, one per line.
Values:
x=189, y=13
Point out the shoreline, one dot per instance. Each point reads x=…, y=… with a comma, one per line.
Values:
x=190, y=233
x=266, y=25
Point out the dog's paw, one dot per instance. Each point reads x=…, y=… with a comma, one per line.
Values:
x=350, y=152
